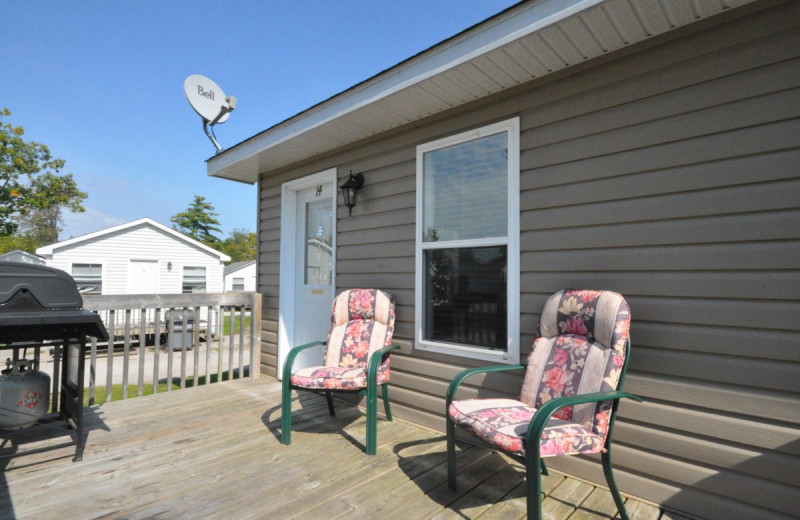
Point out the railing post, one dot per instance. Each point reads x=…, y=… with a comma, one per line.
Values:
x=255, y=335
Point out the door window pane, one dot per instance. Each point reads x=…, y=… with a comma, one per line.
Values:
x=319, y=242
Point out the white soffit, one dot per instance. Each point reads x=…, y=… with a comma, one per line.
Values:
x=527, y=41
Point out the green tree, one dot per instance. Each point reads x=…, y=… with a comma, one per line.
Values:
x=199, y=222
x=240, y=245
x=32, y=189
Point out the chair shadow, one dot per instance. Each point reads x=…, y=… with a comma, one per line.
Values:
x=476, y=464
x=313, y=417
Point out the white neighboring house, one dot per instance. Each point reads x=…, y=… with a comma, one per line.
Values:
x=240, y=276
x=21, y=256
x=139, y=257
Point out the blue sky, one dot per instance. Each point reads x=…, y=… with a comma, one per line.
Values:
x=101, y=83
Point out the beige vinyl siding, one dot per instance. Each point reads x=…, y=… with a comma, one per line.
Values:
x=669, y=174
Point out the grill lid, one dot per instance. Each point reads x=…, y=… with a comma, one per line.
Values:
x=39, y=303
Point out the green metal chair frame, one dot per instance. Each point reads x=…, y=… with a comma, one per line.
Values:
x=371, y=392
x=534, y=464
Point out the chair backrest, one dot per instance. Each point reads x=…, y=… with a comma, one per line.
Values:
x=362, y=322
x=581, y=349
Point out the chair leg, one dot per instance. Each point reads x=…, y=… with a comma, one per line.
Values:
x=612, y=485
x=386, y=406
x=451, y=454
x=372, y=418
x=533, y=478
x=329, y=397
x=543, y=466
x=286, y=413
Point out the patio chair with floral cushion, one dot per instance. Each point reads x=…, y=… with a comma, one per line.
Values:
x=356, y=358
x=569, y=396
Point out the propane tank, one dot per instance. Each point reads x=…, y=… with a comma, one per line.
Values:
x=24, y=395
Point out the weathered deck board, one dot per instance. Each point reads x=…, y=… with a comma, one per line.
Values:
x=214, y=452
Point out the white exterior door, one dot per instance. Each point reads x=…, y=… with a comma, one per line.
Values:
x=143, y=277
x=308, y=234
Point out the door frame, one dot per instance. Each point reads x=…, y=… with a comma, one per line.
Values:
x=286, y=301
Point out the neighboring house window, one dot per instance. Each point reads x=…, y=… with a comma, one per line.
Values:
x=194, y=279
x=88, y=277
x=238, y=284
x=467, y=270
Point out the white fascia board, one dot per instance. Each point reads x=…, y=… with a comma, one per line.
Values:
x=480, y=40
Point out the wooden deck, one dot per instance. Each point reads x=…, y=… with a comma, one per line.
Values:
x=213, y=452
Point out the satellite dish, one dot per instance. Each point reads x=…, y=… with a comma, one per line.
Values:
x=210, y=103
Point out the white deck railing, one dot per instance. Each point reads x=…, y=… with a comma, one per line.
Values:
x=149, y=345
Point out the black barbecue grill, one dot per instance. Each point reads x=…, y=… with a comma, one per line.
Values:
x=42, y=306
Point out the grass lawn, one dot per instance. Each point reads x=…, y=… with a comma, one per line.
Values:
x=133, y=390
x=226, y=324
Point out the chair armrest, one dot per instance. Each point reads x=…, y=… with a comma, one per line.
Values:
x=461, y=376
x=287, y=366
x=543, y=414
x=376, y=359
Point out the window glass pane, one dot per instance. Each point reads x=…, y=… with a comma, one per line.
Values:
x=465, y=296
x=465, y=190
x=194, y=279
x=319, y=252
x=88, y=278
x=238, y=284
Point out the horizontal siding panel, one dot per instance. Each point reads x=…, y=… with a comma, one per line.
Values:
x=767, y=494
x=375, y=265
x=667, y=68
x=737, y=257
x=765, y=464
x=723, y=118
x=661, y=106
x=735, y=371
x=751, y=227
x=752, y=285
x=393, y=248
x=376, y=236
x=783, y=195
x=702, y=503
x=760, y=435
x=691, y=177
x=774, y=137
x=758, y=404
x=360, y=220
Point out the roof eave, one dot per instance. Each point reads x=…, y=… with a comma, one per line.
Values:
x=527, y=41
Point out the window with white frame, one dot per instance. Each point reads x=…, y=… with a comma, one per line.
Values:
x=238, y=284
x=88, y=277
x=194, y=279
x=467, y=244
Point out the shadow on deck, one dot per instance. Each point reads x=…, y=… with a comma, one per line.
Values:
x=214, y=452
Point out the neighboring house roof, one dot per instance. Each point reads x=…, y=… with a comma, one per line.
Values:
x=232, y=268
x=19, y=255
x=526, y=41
x=49, y=250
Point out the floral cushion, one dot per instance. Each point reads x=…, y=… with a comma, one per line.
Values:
x=581, y=349
x=336, y=378
x=504, y=423
x=362, y=322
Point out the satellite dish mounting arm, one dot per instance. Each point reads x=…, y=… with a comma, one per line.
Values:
x=224, y=109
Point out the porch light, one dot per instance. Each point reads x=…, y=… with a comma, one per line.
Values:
x=350, y=190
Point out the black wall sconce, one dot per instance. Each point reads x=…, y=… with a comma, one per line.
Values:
x=350, y=190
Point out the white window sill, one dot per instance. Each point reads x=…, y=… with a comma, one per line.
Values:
x=497, y=356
